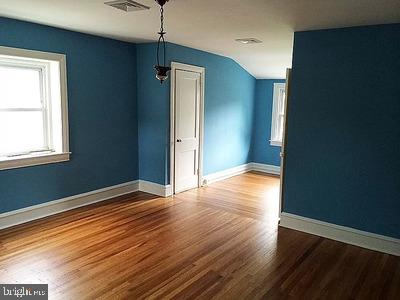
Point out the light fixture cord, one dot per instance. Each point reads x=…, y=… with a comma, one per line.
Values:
x=161, y=38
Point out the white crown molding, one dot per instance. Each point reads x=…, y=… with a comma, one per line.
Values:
x=341, y=233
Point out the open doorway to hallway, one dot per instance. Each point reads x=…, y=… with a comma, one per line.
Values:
x=271, y=102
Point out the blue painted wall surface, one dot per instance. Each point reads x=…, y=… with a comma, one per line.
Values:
x=262, y=151
x=102, y=116
x=229, y=104
x=343, y=163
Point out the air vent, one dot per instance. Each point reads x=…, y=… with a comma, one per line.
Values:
x=248, y=41
x=127, y=5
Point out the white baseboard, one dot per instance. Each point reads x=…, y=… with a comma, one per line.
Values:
x=30, y=213
x=34, y=212
x=155, y=189
x=270, y=169
x=341, y=233
x=221, y=175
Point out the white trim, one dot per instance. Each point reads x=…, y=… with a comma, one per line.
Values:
x=49, y=63
x=186, y=67
x=10, y=51
x=275, y=143
x=64, y=102
x=33, y=160
x=30, y=213
x=278, y=87
x=270, y=169
x=341, y=233
x=155, y=188
x=284, y=139
x=180, y=66
x=39, y=211
x=53, y=207
x=221, y=175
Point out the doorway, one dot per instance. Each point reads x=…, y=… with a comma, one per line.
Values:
x=187, y=117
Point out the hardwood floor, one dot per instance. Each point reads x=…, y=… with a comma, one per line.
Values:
x=220, y=242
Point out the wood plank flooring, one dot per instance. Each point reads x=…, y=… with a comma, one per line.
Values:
x=217, y=242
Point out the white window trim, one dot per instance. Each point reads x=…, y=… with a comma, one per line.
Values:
x=33, y=160
x=40, y=158
x=277, y=87
x=275, y=143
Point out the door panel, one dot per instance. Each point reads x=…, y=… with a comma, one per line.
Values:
x=187, y=107
x=284, y=137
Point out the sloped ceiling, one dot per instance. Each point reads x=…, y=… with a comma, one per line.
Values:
x=212, y=25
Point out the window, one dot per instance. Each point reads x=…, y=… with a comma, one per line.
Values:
x=278, y=114
x=33, y=108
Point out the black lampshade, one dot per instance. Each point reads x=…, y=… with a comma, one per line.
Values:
x=161, y=72
x=161, y=69
x=161, y=2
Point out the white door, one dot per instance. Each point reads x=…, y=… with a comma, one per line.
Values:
x=187, y=129
x=287, y=92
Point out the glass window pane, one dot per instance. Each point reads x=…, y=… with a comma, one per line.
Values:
x=19, y=87
x=282, y=102
x=280, y=130
x=21, y=132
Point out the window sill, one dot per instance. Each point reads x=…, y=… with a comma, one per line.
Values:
x=32, y=160
x=275, y=143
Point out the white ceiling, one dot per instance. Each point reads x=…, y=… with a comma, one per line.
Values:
x=212, y=25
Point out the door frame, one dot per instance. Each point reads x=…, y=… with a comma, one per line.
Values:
x=190, y=68
x=284, y=140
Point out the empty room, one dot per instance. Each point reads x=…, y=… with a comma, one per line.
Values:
x=182, y=149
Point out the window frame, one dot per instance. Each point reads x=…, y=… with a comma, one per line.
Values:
x=278, y=87
x=53, y=68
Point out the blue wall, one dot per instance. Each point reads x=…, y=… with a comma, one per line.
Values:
x=262, y=151
x=229, y=104
x=343, y=142
x=108, y=103
x=102, y=116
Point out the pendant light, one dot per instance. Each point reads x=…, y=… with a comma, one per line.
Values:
x=161, y=70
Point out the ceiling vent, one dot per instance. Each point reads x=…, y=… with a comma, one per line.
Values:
x=248, y=41
x=127, y=5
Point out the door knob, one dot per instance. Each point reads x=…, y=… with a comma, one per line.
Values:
x=179, y=140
